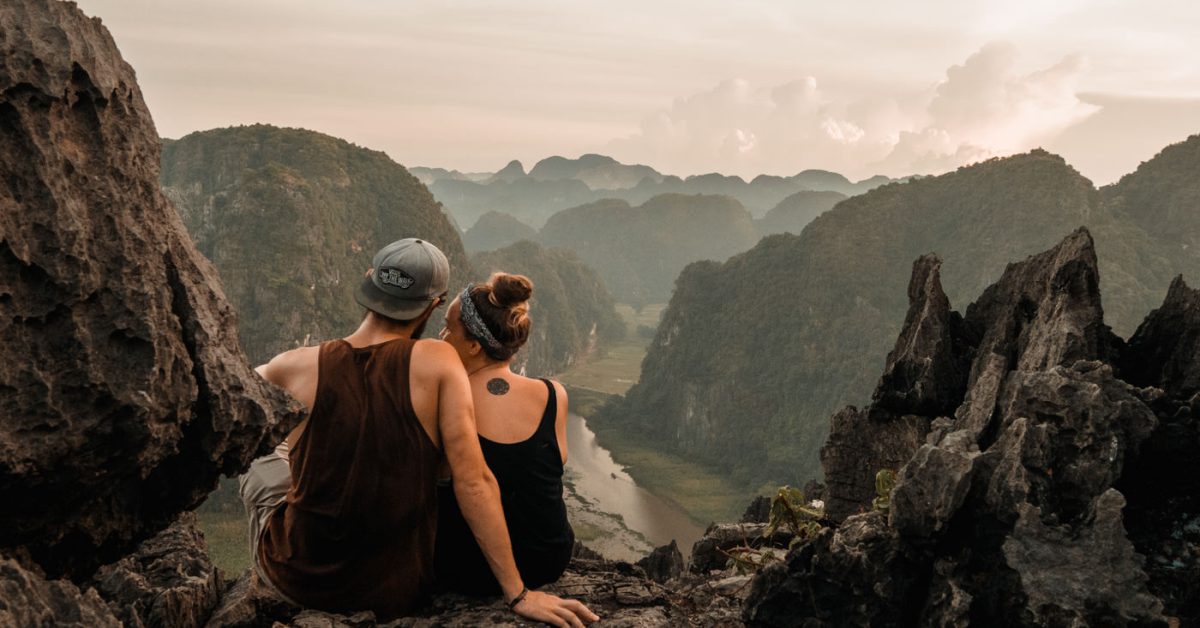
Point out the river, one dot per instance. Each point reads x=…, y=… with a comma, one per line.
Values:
x=610, y=512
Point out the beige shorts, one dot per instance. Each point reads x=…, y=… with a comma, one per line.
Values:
x=262, y=489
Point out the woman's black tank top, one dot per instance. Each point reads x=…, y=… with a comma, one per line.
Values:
x=530, y=477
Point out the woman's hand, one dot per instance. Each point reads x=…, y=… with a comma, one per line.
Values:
x=554, y=610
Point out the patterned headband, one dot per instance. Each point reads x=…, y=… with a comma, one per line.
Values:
x=473, y=322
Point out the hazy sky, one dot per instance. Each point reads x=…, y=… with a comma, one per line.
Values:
x=688, y=87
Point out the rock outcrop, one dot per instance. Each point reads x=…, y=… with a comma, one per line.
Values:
x=123, y=392
x=27, y=598
x=1036, y=500
x=619, y=592
x=169, y=581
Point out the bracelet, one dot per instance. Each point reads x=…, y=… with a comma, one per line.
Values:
x=517, y=600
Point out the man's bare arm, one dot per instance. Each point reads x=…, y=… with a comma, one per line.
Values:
x=296, y=372
x=479, y=498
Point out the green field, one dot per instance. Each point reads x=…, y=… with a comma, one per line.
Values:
x=226, y=536
x=704, y=494
x=699, y=491
x=618, y=369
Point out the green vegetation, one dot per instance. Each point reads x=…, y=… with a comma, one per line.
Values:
x=704, y=493
x=791, y=513
x=574, y=318
x=885, y=481
x=225, y=533
x=291, y=219
x=617, y=370
x=754, y=355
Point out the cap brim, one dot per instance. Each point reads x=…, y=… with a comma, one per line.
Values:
x=371, y=297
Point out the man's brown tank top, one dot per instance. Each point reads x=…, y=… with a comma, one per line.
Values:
x=356, y=530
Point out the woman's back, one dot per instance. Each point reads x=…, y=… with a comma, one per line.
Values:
x=522, y=432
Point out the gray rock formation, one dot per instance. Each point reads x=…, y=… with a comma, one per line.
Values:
x=168, y=581
x=1013, y=512
x=123, y=392
x=925, y=376
x=27, y=598
x=663, y=564
x=1162, y=483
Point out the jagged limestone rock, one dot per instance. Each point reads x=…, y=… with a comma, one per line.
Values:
x=924, y=374
x=168, y=581
x=860, y=445
x=663, y=564
x=1006, y=514
x=29, y=599
x=123, y=392
x=932, y=486
x=1089, y=577
x=1163, y=351
x=1162, y=482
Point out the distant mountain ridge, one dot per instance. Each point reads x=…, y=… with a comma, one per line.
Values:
x=753, y=355
x=557, y=183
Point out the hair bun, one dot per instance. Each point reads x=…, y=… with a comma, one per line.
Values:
x=509, y=290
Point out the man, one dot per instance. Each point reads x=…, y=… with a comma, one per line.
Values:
x=343, y=514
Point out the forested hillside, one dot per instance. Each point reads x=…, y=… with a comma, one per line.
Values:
x=754, y=355
x=639, y=251
x=573, y=314
x=291, y=219
x=496, y=230
x=794, y=213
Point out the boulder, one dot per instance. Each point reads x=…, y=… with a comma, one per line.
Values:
x=757, y=511
x=663, y=564
x=123, y=392
x=27, y=598
x=168, y=581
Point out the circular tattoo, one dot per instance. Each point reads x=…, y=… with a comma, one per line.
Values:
x=497, y=386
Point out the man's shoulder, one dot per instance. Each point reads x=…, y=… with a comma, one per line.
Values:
x=434, y=353
x=290, y=362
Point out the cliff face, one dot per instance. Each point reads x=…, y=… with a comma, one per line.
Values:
x=1035, y=485
x=573, y=314
x=291, y=219
x=123, y=392
x=753, y=355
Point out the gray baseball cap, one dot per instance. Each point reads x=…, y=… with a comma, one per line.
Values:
x=406, y=276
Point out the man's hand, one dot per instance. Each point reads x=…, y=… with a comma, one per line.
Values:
x=554, y=610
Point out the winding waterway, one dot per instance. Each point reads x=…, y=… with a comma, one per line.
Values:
x=603, y=486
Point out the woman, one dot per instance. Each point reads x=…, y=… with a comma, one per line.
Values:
x=522, y=425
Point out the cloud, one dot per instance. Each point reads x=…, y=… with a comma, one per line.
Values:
x=982, y=108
